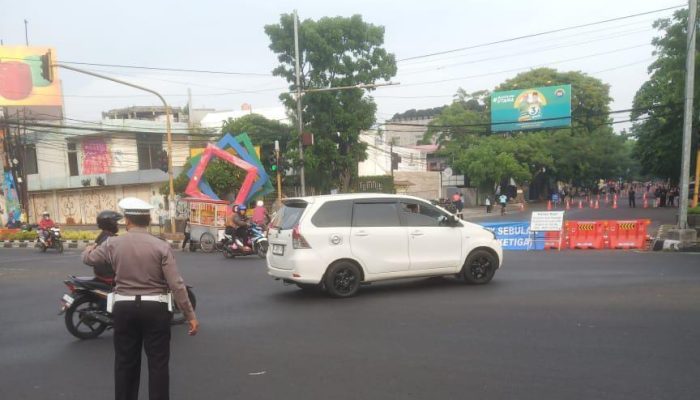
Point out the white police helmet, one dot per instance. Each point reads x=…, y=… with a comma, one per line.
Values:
x=135, y=206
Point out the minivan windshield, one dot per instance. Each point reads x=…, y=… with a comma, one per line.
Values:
x=288, y=215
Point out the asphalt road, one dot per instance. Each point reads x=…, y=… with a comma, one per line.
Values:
x=552, y=325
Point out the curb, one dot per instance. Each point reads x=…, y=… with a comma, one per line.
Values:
x=68, y=244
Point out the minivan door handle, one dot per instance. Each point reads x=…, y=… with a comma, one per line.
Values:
x=417, y=233
x=361, y=233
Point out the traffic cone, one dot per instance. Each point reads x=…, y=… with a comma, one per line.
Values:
x=549, y=205
x=590, y=203
x=615, y=202
x=646, y=203
x=607, y=198
x=522, y=206
x=580, y=204
x=597, y=206
x=568, y=204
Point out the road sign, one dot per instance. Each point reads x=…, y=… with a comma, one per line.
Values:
x=546, y=221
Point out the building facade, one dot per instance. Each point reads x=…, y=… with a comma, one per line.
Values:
x=74, y=173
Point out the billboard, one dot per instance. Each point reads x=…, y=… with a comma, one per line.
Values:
x=534, y=108
x=27, y=79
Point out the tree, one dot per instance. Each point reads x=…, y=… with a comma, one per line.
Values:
x=580, y=155
x=262, y=131
x=658, y=104
x=334, y=52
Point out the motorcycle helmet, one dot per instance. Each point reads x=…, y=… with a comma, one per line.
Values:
x=107, y=220
x=45, y=214
x=242, y=207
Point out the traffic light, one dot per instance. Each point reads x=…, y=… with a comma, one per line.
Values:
x=395, y=160
x=272, y=162
x=46, y=68
x=163, y=161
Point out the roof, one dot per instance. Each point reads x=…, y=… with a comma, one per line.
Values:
x=352, y=196
x=215, y=119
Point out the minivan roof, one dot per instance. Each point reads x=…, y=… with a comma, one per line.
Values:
x=351, y=196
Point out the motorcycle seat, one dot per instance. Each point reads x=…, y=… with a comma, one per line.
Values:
x=92, y=283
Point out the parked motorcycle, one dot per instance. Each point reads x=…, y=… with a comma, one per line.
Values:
x=85, y=307
x=256, y=244
x=52, y=241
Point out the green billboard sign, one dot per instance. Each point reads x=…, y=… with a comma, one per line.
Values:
x=535, y=108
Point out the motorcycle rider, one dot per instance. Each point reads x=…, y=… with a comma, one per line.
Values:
x=240, y=222
x=260, y=215
x=45, y=224
x=107, y=221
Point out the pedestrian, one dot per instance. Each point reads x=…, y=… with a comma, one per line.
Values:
x=146, y=277
x=503, y=199
x=632, y=198
x=487, y=202
x=186, y=231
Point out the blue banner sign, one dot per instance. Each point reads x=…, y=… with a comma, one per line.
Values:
x=514, y=235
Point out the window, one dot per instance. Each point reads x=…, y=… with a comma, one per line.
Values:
x=375, y=215
x=333, y=214
x=73, y=159
x=289, y=215
x=148, y=148
x=420, y=214
x=30, y=164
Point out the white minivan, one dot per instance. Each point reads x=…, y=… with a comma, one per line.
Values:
x=337, y=242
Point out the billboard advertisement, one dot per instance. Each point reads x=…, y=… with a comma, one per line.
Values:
x=534, y=108
x=26, y=78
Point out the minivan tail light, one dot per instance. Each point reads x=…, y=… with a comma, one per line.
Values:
x=298, y=240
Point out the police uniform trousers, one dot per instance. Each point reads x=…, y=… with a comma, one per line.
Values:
x=141, y=324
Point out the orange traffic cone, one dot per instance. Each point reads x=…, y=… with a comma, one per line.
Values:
x=597, y=205
x=614, y=202
x=549, y=205
x=580, y=204
x=590, y=203
x=568, y=204
x=646, y=203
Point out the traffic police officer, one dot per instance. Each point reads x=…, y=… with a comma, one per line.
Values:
x=145, y=271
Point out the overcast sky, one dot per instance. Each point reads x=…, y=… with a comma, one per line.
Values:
x=229, y=36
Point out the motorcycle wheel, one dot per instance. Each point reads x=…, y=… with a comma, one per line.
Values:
x=262, y=249
x=227, y=252
x=59, y=246
x=42, y=247
x=178, y=316
x=78, y=322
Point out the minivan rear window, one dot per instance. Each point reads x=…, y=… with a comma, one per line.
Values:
x=288, y=215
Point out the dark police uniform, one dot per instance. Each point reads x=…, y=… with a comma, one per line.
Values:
x=145, y=271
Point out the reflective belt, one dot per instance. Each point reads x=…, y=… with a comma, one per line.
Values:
x=163, y=298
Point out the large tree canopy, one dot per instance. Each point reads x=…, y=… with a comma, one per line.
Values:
x=658, y=104
x=587, y=151
x=334, y=52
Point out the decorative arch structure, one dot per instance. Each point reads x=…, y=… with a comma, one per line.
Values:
x=193, y=189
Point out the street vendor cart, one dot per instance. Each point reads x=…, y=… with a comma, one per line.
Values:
x=207, y=221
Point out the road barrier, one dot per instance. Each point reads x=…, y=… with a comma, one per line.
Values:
x=630, y=234
x=586, y=234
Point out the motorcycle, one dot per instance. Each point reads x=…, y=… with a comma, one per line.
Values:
x=52, y=241
x=85, y=306
x=256, y=244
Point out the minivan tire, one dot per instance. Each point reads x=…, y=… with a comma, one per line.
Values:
x=342, y=279
x=480, y=267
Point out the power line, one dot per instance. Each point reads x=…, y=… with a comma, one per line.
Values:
x=540, y=33
x=524, y=68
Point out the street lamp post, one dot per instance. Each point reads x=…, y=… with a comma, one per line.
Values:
x=168, y=129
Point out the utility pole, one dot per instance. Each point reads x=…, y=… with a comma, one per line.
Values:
x=189, y=109
x=687, y=117
x=26, y=33
x=391, y=158
x=299, y=116
x=168, y=129
x=279, y=176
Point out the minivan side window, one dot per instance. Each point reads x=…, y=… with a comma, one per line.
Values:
x=416, y=213
x=333, y=214
x=375, y=215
